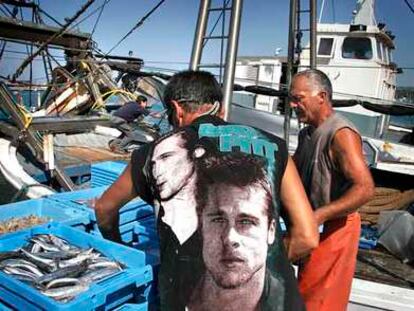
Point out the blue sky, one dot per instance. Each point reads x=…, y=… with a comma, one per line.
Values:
x=165, y=40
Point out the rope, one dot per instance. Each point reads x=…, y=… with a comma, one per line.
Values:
x=98, y=18
x=385, y=199
x=96, y=104
x=409, y=5
x=27, y=117
x=140, y=23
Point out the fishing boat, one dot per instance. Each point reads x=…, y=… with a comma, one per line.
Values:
x=369, y=107
x=357, y=57
x=52, y=133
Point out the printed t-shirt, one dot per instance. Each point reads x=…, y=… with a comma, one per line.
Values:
x=191, y=176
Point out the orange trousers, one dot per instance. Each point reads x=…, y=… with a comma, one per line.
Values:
x=325, y=279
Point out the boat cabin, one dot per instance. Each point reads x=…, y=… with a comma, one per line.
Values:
x=358, y=60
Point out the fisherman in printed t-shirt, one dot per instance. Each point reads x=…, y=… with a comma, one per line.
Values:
x=167, y=174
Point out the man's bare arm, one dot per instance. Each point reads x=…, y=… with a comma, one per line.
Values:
x=303, y=231
x=108, y=205
x=346, y=152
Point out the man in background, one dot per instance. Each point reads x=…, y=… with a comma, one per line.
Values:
x=133, y=109
x=332, y=167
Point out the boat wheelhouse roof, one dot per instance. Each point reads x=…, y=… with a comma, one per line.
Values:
x=345, y=29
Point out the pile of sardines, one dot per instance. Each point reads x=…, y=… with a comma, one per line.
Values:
x=56, y=268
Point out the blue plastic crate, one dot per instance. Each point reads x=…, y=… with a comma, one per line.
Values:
x=127, y=230
x=105, y=173
x=133, y=307
x=133, y=210
x=81, y=195
x=146, y=239
x=132, y=283
x=53, y=210
x=116, y=167
x=146, y=232
x=369, y=237
x=4, y=307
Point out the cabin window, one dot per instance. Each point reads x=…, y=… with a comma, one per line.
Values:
x=386, y=55
x=379, y=51
x=357, y=48
x=325, y=47
x=384, y=52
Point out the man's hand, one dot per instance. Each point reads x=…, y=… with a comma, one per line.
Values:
x=108, y=205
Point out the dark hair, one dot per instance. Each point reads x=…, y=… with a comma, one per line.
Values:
x=192, y=89
x=141, y=98
x=233, y=169
x=190, y=139
x=319, y=79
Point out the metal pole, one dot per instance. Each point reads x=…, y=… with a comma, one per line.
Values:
x=313, y=30
x=290, y=60
x=322, y=8
x=231, y=56
x=199, y=34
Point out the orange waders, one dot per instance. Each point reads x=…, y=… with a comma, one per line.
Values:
x=325, y=279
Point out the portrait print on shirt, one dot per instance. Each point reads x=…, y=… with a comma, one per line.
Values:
x=214, y=191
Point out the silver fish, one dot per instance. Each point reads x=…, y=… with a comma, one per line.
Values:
x=18, y=271
x=105, y=264
x=22, y=264
x=61, y=255
x=43, y=263
x=63, y=281
x=67, y=272
x=86, y=255
x=61, y=243
x=10, y=254
x=96, y=275
x=45, y=245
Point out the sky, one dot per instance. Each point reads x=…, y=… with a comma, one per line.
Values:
x=165, y=39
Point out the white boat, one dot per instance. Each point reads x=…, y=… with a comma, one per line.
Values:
x=358, y=59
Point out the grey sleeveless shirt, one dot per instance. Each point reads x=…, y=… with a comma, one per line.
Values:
x=323, y=180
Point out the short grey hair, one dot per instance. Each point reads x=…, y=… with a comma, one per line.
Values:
x=319, y=79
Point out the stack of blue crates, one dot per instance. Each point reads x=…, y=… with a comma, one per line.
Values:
x=105, y=173
x=131, y=214
x=131, y=285
x=133, y=289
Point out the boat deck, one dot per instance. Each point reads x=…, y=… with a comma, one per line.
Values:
x=87, y=155
x=379, y=266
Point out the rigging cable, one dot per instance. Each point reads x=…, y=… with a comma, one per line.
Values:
x=4, y=12
x=214, y=26
x=19, y=71
x=49, y=16
x=140, y=23
x=98, y=18
x=8, y=11
x=409, y=5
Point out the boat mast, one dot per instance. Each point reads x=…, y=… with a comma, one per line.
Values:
x=365, y=13
x=232, y=37
x=295, y=48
